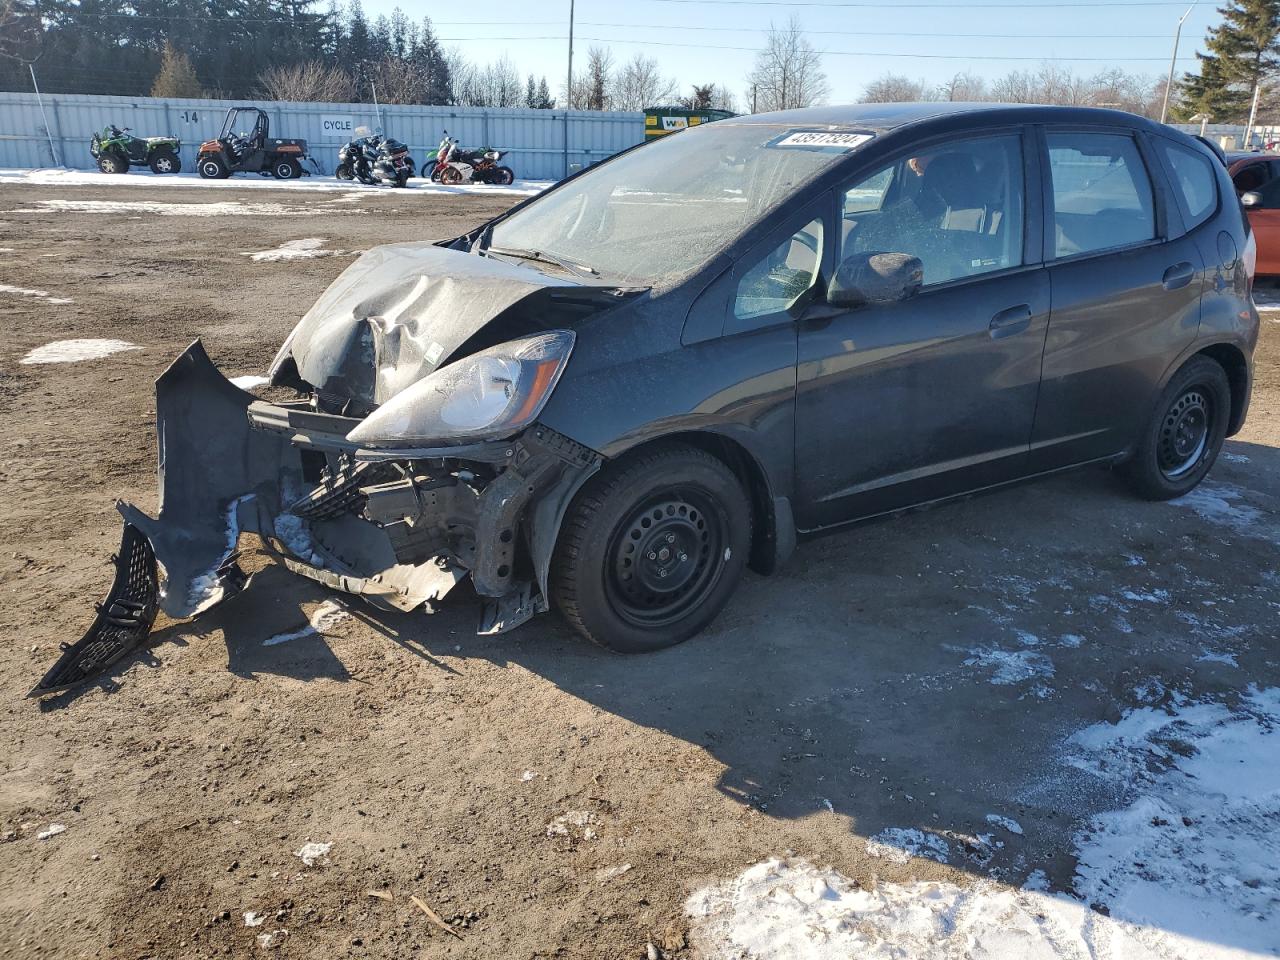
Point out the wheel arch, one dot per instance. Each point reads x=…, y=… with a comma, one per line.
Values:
x=1232, y=359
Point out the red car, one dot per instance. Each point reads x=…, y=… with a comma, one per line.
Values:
x=1257, y=181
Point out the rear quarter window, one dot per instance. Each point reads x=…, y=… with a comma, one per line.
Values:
x=1194, y=180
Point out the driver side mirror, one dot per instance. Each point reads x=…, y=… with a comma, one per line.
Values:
x=1251, y=199
x=875, y=278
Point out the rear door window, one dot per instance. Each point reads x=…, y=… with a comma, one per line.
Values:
x=1194, y=179
x=1102, y=195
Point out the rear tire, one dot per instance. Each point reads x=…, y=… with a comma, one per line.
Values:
x=504, y=176
x=402, y=179
x=112, y=162
x=651, y=549
x=286, y=170
x=212, y=168
x=165, y=162
x=1184, y=434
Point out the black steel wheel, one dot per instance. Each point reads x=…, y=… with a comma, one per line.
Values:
x=665, y=557
x=651, y=549
x=1184, y=434
x=286, y=170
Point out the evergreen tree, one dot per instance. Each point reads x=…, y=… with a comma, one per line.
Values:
x=531, y=93
x=355, y=47
x=177, y=78
x=1242, y=52
x=544, y=96
x=432, y=66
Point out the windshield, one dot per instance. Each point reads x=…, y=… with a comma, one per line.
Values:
x=658, y=212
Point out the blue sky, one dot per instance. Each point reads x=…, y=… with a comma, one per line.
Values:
x=861, y=39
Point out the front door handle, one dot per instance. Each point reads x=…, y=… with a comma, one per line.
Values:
x=1008, y=322
x=1178, y=276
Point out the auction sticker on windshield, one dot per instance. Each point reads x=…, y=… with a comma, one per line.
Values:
x=818, y=138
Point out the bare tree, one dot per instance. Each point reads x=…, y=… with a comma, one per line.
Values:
x=21, y=32
x=895, y=88
x=964, y=87
x=788, y=71
x=311, y=82
x=639, y=84
x=398, y=81
x=599, y=78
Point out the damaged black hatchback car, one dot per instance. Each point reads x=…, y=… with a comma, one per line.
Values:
x=615, y=396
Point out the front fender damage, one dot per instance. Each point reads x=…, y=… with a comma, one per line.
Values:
x=396, y=527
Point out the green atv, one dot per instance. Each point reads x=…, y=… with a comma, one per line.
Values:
x=117, y=150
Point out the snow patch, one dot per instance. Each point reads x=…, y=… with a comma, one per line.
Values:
x=312, y=851
x=249, y=381
x=304, y=249
x=73, y=351
x=52, y=830
x=207, y=589
x=218, y=208
x=1005, y=823
x=35, y=294
x=1234, y=457
x=900, y=844
x=1217, y=503
x=1010, y=666
x=322, y=620
x=252, y=919
x=1212, y=656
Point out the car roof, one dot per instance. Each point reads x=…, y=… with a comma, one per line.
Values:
x=890, y=116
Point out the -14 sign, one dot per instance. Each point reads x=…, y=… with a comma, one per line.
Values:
x=337, y=124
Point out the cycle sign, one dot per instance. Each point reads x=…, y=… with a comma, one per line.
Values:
x=341, y=125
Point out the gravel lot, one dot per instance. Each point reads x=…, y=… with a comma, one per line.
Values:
x=546, y=797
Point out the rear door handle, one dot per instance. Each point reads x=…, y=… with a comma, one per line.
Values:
x=1008, y=322
x=1177, y=276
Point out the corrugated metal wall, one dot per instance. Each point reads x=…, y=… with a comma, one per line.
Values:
x=536, y=138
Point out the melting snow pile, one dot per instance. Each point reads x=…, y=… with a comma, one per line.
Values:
x=37, y=294
x=249, y=381
x=1187, y=871
x=323, y=619
x=72, y=351
x=1216, y=502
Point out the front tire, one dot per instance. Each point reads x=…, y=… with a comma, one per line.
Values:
x=651, y=549
x=1184, y=435
x=212, y=168
x=112, y=162
x=343, y=172
x=451, y=176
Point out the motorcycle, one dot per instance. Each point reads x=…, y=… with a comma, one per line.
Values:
x=373, y=160
x=453, y=165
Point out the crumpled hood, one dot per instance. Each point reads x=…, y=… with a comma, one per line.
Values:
x=399, y=312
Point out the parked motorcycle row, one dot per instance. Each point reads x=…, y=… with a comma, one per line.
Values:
x=378, y=159
x=373, y=159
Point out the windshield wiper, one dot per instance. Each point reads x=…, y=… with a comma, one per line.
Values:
x=540, y=256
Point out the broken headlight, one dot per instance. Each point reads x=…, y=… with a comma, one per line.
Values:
x=490, y=394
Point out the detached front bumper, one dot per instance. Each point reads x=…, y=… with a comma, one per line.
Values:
x=398, y=527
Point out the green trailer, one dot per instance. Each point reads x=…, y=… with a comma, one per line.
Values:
x=660, y=121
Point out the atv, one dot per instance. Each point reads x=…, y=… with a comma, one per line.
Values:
x=117, y=150
x=244, y=146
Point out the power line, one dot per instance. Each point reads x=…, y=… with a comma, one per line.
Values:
x=884, y=4
x=892, y=33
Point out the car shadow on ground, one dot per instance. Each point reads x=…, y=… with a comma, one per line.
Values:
x=926, y=672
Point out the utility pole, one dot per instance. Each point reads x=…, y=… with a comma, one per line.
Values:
x=1253, y=114
x=40, y=100
x=568, y=92
x=1173, y=62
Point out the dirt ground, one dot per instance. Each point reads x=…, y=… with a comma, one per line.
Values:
x=916, y=673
